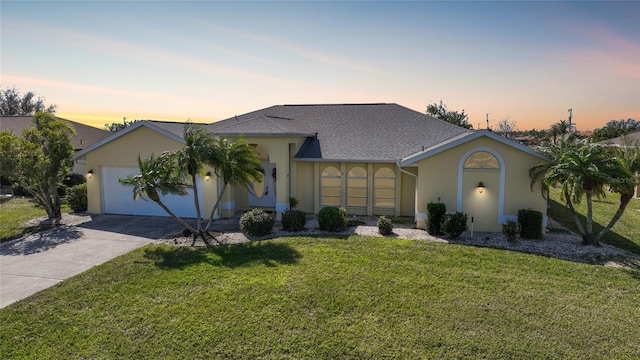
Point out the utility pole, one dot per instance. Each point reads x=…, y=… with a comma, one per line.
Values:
x=487, y=121
x=570, y=115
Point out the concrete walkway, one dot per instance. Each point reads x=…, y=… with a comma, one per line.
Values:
x=41, y=260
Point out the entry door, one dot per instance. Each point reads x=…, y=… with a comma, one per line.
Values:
x=265, y=192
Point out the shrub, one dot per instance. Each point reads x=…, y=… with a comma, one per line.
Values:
x=74, y=179
x=332, y=218
x=435, y=217
x=510, y=229
x=256, y=222
x=293, y=202
x=530, y=224
x=385, y=226
x=77, y=198
x=293, y=220
x=454, y=224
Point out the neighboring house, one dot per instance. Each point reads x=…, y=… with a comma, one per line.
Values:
x=631, y=139
x=372, y=159
x=85, y=135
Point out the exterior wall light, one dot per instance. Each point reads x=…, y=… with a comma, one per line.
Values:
x=480, y=187
x=207, y=176
x=90, y=174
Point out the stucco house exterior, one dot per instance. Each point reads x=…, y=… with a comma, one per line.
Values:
x=372, y=159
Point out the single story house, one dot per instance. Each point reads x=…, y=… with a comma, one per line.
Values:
x=372, y=159
x=85, y=135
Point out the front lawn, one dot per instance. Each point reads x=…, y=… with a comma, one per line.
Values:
x=625, y=234
x=361, y=297
x=14, y=212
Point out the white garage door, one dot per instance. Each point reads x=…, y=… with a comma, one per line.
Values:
x=118, y=199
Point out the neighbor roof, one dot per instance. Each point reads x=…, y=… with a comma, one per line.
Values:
x=624, y=140
x=346, y=132
x=85, y=135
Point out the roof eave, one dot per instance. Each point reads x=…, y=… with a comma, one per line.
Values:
x=125, y=131
x=411, y=159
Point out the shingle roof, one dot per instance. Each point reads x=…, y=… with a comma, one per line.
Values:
x=351, y=132
x=85, y=135
x=629, y=139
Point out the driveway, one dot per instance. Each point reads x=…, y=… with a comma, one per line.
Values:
x=41, y=260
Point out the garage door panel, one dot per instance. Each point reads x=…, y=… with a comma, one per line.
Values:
x=118, y=199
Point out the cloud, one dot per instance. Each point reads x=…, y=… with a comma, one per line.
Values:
x=303, y=52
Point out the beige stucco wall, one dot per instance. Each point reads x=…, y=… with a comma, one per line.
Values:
x=439, y=179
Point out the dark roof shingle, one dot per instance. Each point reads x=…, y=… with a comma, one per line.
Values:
x=85, y=135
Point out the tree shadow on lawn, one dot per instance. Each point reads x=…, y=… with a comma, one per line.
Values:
x=41, y=241
x=560, y=213
x=268, y=253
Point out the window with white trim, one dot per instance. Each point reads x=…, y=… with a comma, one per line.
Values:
x=384, y=188
x=330, y=186
x=482, y=160
x=357, y=187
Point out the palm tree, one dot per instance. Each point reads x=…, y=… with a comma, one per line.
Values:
x=559, y=129
x=191, y=159
x=159, y=175
x=233, y=163
x=583, y=170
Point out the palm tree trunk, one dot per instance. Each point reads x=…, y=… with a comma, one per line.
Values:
x=168, y=211
x=574, y=214
x=197, y=203
x=625, y=198
x=588, y=238
x=215, y=206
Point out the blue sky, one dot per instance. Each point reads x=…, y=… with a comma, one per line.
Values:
x=206, y=61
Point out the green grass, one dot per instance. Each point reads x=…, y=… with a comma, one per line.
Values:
x=361, y=297
x=625, y=234
x=14, y=212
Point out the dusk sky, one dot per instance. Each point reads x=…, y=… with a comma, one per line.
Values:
x=207, y=61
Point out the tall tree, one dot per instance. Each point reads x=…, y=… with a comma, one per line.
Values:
x=559, y=130
x=583, y=170
x=116, y=126
x=39, y=160
x=234, y=163
x=615, y=128
x=14, y=103
x=198, y=144
x=441, y=112
x=506, y=127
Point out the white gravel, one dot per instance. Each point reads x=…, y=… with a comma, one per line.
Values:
x=566, y=246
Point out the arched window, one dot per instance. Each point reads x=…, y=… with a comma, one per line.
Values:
x=357, y=187
x=482, y=160
x=330, y=186
x=384, y=188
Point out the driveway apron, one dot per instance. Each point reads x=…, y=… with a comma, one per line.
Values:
x=38, y=261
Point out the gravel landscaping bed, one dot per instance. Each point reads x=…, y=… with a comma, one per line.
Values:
x=566, y=246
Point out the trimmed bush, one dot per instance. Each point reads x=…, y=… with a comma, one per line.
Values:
x=435, y=217
x=77, y=198
x=530, y=224
x=256, y=222
x=385, y=226
x=332, y=218
x=510, y=229
x=293, y=220
x=74, y=179
x=454, y=224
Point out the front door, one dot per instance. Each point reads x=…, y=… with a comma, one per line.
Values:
x=264, y=193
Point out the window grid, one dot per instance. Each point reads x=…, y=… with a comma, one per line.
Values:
x=384, y=188
x=330, y=186
x=357, y=187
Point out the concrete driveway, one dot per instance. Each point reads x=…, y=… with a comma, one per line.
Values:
x=41, y=260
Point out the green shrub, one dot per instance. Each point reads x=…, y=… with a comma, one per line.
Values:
x=435, y=217
x=510, y=229
x=77, y=198
x=530, y=224
x=454, y=224
x=385, y=226
x=74, y=179
x=332, y=218
x=256, y=222
x=293, y=220
x=293, y=202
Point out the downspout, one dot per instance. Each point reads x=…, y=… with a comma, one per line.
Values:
x=415, y=191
